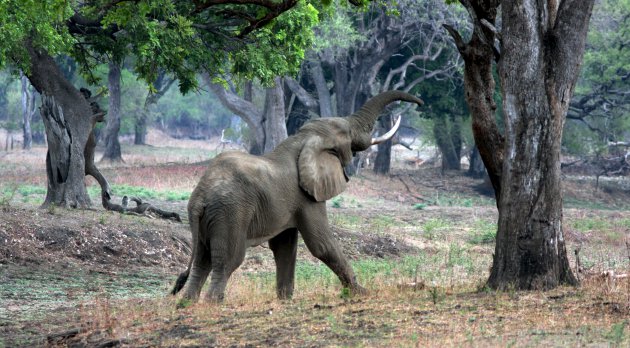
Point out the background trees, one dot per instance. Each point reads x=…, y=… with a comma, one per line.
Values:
x=180, y=37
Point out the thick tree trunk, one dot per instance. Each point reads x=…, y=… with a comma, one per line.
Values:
x=541, y=54
x=68, y=120
x=28, y=110
x=449, y=140
x=112, y=144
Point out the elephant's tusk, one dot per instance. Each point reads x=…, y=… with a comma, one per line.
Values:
x=389, y=134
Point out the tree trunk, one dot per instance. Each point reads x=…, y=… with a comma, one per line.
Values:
x=382, y=162
x=449, y=140
x=268, y=126
x=112, y=145
x=140, y=128
x=479, y=86
x=323, y=93
x=542, y=49
x=476, y=168
x=161, y=84
x=28, y=110
x=68, y=120
x=274, y=122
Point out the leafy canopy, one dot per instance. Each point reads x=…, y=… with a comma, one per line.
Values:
x=181, y=37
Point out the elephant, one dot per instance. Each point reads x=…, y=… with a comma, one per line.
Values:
x=244, y=200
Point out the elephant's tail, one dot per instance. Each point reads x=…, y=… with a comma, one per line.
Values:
x=179, y=283
x=194, y=229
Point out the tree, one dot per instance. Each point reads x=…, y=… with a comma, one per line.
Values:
x=28, y=110
x=268, y=124
x=542, y=43
x=161, y=85
x=360, y=54
x=112, y=145
x=598, y=114
x=178, y=36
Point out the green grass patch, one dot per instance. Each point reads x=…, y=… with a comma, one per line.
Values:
x=455, y=200
x=591, y=224
x=483, y=232
x=571, y=202
x=345, y=220
x=434, y=227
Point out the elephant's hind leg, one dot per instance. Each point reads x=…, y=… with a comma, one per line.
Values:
x=200, y=268
x=228, y=252
x=284, y=247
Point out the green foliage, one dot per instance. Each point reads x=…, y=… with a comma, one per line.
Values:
x=160, y=35
x=41, y=21
x=598, y=96
x=279, y=48
x=336, y=32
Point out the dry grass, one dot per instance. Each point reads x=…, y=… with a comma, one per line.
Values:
x=420, y=241
x=594, y=314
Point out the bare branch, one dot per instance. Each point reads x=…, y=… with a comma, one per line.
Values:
x=303, y=95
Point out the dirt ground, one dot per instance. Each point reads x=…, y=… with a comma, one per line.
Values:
x=418, y=240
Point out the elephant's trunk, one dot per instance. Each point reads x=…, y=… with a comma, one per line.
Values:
x=364, y=119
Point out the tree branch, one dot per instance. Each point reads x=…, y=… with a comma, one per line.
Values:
x=302, y=95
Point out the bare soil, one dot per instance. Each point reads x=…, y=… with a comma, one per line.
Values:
x=97, y=278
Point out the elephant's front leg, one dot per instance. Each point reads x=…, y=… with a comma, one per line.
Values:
x=313, y=226
x=284, y=247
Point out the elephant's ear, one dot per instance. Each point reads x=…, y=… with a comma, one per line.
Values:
x=321, y=170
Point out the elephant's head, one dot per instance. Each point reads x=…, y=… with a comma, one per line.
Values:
x=330, y=143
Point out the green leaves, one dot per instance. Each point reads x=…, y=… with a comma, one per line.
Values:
x=279, y=48
x=42, y=21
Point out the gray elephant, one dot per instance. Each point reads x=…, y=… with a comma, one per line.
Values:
x=244, y=200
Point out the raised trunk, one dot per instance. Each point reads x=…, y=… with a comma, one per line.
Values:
x=364, y=119
x=538, y=68
x=112, y=145
x=28, y=110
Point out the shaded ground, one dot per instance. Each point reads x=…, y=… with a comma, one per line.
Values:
x=420, y=241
